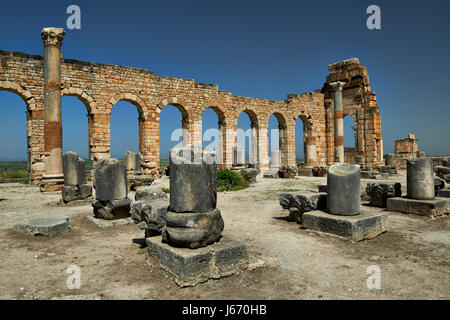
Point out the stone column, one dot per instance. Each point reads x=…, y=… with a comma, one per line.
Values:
x=253, y=154
x=343, y=191
x=311, y=152
x=53, y=171
x=338, y=121
x=420, y=179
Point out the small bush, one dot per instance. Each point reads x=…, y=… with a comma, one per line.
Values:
x=165, y=190
x=228, y=180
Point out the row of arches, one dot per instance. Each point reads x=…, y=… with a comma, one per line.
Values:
x=127, y=112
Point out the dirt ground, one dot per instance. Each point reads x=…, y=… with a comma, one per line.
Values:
x=288, y=262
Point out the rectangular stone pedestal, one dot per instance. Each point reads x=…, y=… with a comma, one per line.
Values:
x=435, y=207
x=51, y=183
x=366, y=225
x=444, y=193
x=189, y=267
x=271, y=173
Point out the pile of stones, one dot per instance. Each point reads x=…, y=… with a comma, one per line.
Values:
x=111, y=191
x=134, y=173
x=287, y=172
x=380, y=192
x=75, y=187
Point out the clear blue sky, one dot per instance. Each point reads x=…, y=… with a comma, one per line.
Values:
x=251, y=48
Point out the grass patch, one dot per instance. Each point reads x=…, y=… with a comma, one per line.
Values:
x=14, y=170
x=165, y=190
x=228, y=180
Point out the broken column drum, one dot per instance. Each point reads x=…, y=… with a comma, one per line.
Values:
x=275, y=159
x=343, y=189
x=111, y=190
x=75, y=187
x=132, y=161
x=193, y=220
x=420, y=179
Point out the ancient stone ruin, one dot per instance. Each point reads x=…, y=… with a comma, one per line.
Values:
x=75, y=187
x=190, y=248
x=420, y=198
x=111, y=190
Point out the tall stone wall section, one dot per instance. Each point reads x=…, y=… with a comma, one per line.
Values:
x=101, y=86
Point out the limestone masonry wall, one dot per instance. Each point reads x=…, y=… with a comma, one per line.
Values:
x=101, y=86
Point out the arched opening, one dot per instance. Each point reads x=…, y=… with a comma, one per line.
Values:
x=75, y=128
x=350, y=152
x=14, y=143
x=173, y=131
x=300, y=145
x=125, y=129
x=212, y=136
x=246, y=136
x=277, y=139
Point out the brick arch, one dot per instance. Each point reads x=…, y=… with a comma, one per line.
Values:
x=218, y=109
x=18, y=89
x=87, y=100
x=174, y=101
x=133, y=99
x=252, y=114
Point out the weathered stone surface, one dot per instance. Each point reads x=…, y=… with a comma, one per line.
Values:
x=366, y=225
x=110, y=210
x=319, y=171
x=420, y=154
x=420, y=179
x=70, y=193
x=138, y=181
x=47, y=226
x=287, y=172
x=74, y=169
x=343, y=195
x=250, y=174
x=389, y=159
x=438, y=185
x=435, y=207
x=322, y=188
x=110, y=179
x=446, y=163
x=272, y=173
x=193, y=229
x=102, y=223
x=446, y=177
x=379, y=193
x=441, y=171
x=369, y=174
x=193, y=179
x=298, y=204
x=190, y=267
x=444, y=193
x=149, y=194
x=132, y=161
x=305, y=172
x=151, y=218
x=85, y=191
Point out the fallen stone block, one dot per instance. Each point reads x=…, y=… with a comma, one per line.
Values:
x=366, y=225
x=149, y=194
x=446, y=177
x=319, y=171
x=298, y=204
x=287, y=172
x=250, y=174
x=380, y=192
x=189, y=267
x=305, y=172
x=102, y=223
x=438, y=185
x=441, y=171
x=434, y=208
x=114, y=209
x=46, y=226
x=85, y=191
x=272, y=173
x=152, y=218
x=138, y=181
x=444, y=193
x=70, y=193
x=369, y=174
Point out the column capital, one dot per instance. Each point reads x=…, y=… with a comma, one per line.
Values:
x=53, y=36
x=337, y=85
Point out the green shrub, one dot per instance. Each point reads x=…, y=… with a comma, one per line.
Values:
x=165, y=190
x=228, y=180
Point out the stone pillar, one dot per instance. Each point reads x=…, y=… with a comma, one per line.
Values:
x=75, y=187
x=111, y=190
x=253, y=154
x=311, y=152
x=193, y=220
x=420, y=179
x=238, y=156
x=343, y=189
x=338, y=121
x=389, y=159
x=132, y=162
x=275, y=159
x=53, y=170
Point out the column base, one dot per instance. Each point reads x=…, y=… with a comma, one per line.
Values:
x=51, y=182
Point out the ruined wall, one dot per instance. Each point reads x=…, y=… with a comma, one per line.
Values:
x=407, y=147
x=101, y=86
x=359, y=102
